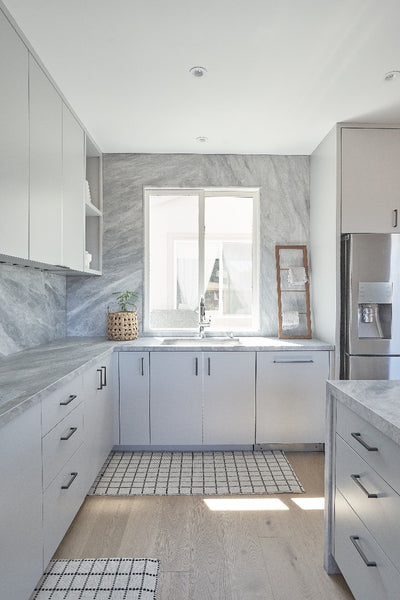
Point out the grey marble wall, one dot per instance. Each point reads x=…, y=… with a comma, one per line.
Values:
x=32, y=308
x=284, y=218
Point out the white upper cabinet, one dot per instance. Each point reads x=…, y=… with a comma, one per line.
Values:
x=73, y=217
x=14, y=143
x=45, y=218
x=370, y=180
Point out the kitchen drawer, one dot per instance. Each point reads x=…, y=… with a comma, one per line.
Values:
x=381, y=514
x=58, y=404
x=380, y=582
x=387, y=456
x=60, y=504
x=61, y=443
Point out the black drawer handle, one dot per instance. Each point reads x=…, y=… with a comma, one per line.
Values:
x=70, y=482
x=104, y=381
x=357, y=436
x=101, y=379
x=369, y=563
x=69, y=434
x=68, y=400
x=356, y=479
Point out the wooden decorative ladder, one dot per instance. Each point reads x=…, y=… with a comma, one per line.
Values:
x=298, y=254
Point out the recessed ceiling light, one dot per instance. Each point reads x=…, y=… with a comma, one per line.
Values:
x=391, y=75
x=202, y=139
x=198, y=71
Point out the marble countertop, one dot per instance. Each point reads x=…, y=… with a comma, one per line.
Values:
x=378, y=402
x=249, y=344
x=28, y=375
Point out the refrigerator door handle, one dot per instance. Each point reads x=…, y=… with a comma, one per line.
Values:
x=394, y=217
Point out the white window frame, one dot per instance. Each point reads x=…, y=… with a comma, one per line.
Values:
x=202, y=193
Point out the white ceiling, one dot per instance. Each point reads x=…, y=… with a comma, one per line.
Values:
x=280, y=73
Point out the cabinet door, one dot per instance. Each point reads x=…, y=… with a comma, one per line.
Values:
x=21, y=546
x=14, y=146
x=370, y=180
x=98, y=413
x=175, y=398
x=73, y=217
x=134, y=408
x=229, y=398
x=290, y=397
x=45, y=159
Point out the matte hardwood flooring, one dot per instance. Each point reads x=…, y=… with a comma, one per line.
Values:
x=205, y=555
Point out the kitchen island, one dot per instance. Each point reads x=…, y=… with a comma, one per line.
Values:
x=362, y=486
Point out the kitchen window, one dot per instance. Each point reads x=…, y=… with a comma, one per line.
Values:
x=201, y=242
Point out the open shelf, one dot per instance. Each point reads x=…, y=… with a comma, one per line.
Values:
x=93, y=207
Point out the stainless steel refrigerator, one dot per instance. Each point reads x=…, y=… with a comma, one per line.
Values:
x=370, y=311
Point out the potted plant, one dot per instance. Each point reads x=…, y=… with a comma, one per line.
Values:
x=123, y=325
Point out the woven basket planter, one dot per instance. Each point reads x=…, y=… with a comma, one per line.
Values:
x=122, y=325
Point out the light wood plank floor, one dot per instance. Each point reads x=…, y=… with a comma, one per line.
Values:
x=205, y=555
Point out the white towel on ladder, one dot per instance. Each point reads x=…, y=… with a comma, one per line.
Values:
x=297, y=276
x=290, y=319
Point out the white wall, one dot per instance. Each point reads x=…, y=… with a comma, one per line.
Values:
x=324, y=240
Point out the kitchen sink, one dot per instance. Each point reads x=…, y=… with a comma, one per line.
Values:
x=196, y=341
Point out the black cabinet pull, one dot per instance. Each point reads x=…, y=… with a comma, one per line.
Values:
x=69, y=434
x=196, y=366
x=357, y=436
x=369, y=563
x=394, y=217
x=356, y=479
x=209, y=366
x=104, y=381
x=101, y=379
x=68, y=400
x=70, y=482
x=142, y=361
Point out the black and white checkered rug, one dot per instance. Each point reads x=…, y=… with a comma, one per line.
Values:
x=186, y=473
x=99, y=579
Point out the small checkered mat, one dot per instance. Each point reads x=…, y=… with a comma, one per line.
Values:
x=99, y=579
x=187, y=473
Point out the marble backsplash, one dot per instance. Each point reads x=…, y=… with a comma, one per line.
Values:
x=32, y=308
x=284, y=218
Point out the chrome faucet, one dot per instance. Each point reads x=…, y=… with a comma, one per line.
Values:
x=203, y=322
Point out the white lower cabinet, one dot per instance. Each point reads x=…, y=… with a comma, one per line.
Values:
x=62, y=499
x=21, y=555
x=98, y=413
x=290, y=397
x=366, y=507
x=134, y=401
x=221, y=398
x=228, y=398
x=176, y=398
x=379, y=580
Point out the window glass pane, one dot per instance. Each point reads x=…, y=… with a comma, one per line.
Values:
x=228, y=264
x=173, y=261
